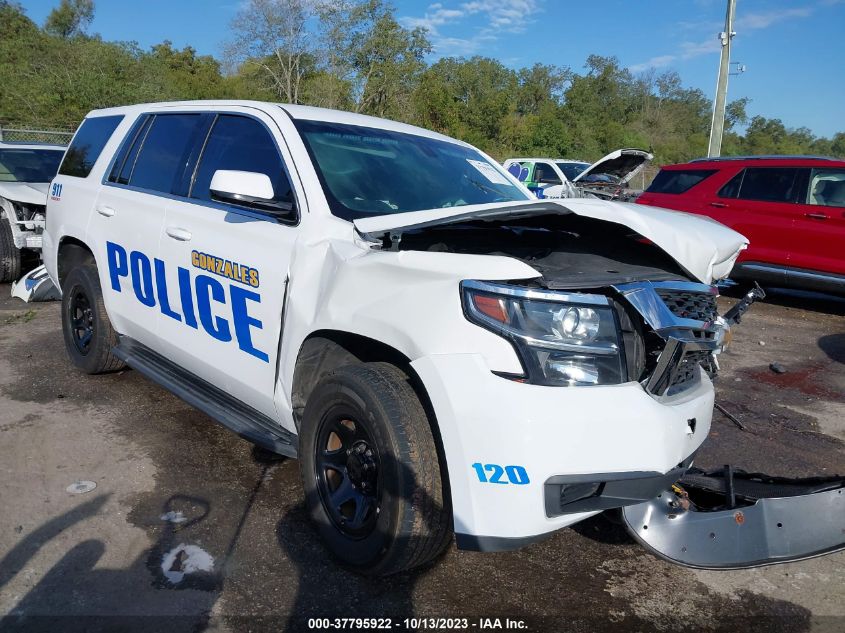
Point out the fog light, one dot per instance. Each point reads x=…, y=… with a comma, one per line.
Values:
x=580, y=370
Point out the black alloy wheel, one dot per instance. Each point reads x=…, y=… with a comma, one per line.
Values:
x=348, y=475
x=81, y=318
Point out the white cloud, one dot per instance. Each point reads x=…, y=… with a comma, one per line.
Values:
x=745, y=23
x=655, y=62
x=497, y=16
x=764, y=19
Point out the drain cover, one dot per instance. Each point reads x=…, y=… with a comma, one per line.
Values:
x=81, y=487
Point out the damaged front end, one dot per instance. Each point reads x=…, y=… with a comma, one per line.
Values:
x=654, y=272
x=736, y=520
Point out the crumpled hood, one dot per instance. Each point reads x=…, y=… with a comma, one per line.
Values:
x=703, y=247
x=25, y=192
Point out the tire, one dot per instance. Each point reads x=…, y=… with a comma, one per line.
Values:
x=394, y=460
x=88, y=333
x=10, y=255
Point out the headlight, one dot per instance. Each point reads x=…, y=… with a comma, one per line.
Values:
x=562, y=339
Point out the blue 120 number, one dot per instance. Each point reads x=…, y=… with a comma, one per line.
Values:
x=515, y=474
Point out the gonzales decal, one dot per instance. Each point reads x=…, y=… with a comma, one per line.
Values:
x=225, y=268
x=196, y=293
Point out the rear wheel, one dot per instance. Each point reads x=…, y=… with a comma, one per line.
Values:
x=10, y=255
x=88, y=333
x=371, y=471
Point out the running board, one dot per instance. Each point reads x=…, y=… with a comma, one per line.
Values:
x=250, y=424
x=737, y=520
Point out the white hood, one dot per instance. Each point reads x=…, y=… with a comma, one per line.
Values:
x=25, y=192
x=623, y=164
x=703, y=247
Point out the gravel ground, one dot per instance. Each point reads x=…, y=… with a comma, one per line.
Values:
x=98, y=556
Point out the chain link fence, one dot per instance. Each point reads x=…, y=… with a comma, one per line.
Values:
x=643, y=179
x=26, y=134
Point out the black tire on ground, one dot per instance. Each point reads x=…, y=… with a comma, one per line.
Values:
x=10, y=256
x=88, y=333
x=408, y=522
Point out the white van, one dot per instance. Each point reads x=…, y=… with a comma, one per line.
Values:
x=443, y=351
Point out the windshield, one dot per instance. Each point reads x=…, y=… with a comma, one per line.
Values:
x=29, y=165
x=572, y=170
x=367, y=171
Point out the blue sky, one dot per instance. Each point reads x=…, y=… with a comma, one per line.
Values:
x=793, y=51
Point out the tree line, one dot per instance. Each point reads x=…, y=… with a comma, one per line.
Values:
x=355, y=55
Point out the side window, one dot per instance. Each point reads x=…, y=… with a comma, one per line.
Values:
x=124, y=162
x=546, y=174
x=164, y=151
x=678, y=180
x=770, y=184
x=731, y=188
x=827, y=187
x=243, y=144
x=87, y=145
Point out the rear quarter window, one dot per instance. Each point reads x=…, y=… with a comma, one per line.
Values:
x=674, y=181
x=88, y=144
x=766, y=184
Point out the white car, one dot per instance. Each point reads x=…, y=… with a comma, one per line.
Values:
x=607, y=178
x=443, y=351
x=25, y=172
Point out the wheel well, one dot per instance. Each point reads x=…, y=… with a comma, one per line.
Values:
x=326, y=350
x=72, y=253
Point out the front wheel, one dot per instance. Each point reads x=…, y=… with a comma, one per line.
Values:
x=88, y=333
x=10, y=256
x=371, y=471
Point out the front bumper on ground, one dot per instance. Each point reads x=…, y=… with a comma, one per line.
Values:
x=600, y=434
x=738, y=520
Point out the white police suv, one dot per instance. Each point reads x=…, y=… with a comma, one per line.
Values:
x=442, y=351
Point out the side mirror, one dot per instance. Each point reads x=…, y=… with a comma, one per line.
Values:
x=248, y=189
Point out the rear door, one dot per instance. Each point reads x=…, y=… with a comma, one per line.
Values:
x=819, y=239
x=230, y=264
x=762, y=204
x=129, y=218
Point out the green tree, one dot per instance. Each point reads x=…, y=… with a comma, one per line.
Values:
x=273, y=35
x=70, y=18
x=387, y=64
x=183, y=73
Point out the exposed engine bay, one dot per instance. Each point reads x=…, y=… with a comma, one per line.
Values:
x=571, y=252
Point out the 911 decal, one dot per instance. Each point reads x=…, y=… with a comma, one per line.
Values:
x=515, y=474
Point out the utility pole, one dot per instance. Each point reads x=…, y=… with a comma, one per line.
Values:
x=717, y=125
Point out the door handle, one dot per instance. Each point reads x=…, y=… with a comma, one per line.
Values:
x=105, y=211
x=718, y=205
x=182, y=235
x=817, y=216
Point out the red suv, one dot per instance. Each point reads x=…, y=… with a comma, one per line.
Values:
x=791, y=208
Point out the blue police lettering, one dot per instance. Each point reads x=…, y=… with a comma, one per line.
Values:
x=161, y=291
x=186, y=297
x=118, y=264
x=142, y=278
x=149, y=284
x=219, y=327
x=243, y=321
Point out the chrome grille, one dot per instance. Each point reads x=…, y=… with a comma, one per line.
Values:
x=687, y=370
x=682, y=318
x=698, y=306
